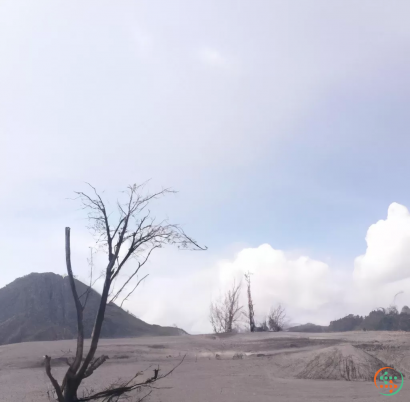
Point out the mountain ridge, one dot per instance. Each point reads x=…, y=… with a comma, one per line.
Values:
x=40, y=307
x=382, y=319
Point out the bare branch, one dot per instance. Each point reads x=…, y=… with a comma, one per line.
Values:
x=132, y=291
x=89, y=287
x=140, y=264
x=94, y=365
x=145, y=396
x=192, y=241
x=99, y=205
x=47, y=361
x=128, y=387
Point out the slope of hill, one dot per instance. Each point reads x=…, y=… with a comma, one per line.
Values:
x=40, y=307
x=309, y=327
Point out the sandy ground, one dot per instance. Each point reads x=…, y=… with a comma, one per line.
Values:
x=269, y=370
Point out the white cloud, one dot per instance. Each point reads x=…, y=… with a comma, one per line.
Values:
x=303, y=285
x=302, y=282
x=387, y=258
x=310, y=289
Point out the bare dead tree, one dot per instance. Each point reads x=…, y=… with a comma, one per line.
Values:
x=251, y=313
x=225, y=312
x=135, y=234
x=276, y=319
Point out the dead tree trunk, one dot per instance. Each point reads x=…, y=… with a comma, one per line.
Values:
x=251, y=313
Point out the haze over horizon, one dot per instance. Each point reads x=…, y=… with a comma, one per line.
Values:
x=283, y=126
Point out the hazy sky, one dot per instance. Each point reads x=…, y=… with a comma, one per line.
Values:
x=283, y=124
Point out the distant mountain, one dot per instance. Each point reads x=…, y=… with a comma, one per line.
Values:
x=378, y=320
x=40, y=307
x=308, y=328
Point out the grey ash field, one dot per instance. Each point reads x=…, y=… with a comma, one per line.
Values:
x=245, y=367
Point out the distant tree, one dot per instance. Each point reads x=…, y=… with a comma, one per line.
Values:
x=404, y=321
x=226, y=312
x=405, y=310
x=309, y=327
x=276, y=318
x=349, y=323
x=372, y=322
x=135, y=234
x=390, y=322
x=392, y=309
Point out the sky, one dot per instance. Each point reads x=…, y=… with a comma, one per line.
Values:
x=283, y=125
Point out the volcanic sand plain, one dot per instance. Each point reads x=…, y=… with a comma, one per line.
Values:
x=258, y=367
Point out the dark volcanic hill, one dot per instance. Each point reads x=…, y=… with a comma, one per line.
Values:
x=40, y=307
